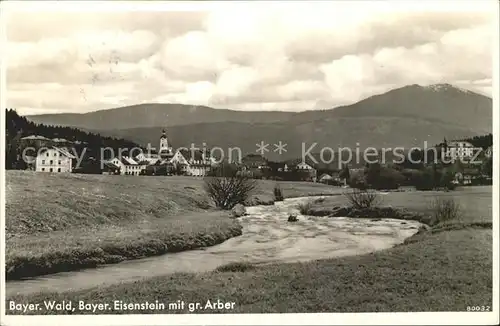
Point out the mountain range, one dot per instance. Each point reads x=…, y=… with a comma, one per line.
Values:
x=402, y=117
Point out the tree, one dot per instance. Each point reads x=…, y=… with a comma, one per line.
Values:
x=227, y=192
x=344, y=173
x=372, y=173
x=487, y=167
x=424, y=180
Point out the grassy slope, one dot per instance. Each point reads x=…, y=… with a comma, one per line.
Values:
x=64, y=222
x=436, y=271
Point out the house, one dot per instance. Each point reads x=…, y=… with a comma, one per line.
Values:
x=304, y=171
x=192, y=162
x=149, y=158
x=110, y=168
x=325, y=178
x=127, y=165
x=467, y=176
x=167, y=161
x=461, y=150
x=35, y=140
x=54, y=159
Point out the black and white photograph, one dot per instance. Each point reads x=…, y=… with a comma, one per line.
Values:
x=249, y=162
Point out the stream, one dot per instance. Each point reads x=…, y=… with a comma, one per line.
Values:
x=267, y=238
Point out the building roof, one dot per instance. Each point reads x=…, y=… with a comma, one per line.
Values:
x=300, y=165
x=145, y=162
x=128, y=160
x=125, y=160
x=192, y=155
x=35, y=137
x=325, y=176
x=457, y=143
x=110, y=165
x=62, y=150
x=60, y=140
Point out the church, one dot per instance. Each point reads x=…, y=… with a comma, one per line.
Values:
x=184, y=161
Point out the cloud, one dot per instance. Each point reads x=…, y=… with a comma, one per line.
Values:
x=297, y=57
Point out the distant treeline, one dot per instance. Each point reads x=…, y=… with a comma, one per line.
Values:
x=18, y=127
x=481, y=141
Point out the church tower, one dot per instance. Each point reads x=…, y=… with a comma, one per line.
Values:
x=165, y=149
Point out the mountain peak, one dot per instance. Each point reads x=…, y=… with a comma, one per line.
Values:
x=445, y=87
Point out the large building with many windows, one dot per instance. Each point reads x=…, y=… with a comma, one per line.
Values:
x=54, y=159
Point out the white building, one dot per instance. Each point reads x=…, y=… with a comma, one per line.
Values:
x=148, y=158
x=460, y=150
x=193, y=162
x=127, y=165
x=54, y=159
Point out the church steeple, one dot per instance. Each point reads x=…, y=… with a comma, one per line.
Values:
x=165, y=148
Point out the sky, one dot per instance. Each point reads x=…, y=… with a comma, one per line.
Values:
x=247, y=56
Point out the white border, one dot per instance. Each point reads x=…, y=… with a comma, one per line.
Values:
x=427, y=318
x=3, y=104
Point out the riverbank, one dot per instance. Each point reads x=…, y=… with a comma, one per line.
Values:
x=65, y=222
x=445, y=271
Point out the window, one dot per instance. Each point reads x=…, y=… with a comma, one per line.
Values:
x=55, y=154
x=51, y=162
x=51, y=170
x=43, y=161
x=43, y=169
x=47, y=154
x=59, y=162
x=59, y=169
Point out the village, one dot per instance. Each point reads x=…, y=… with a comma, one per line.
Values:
x=58, y=156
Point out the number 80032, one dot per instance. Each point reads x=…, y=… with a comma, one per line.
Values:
x=478, y=308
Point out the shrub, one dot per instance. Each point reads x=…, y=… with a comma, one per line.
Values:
x=227, y=192
x=278, y=193
x=305, y=208
x=235, y=267
x=362, y=198
x=445, y=209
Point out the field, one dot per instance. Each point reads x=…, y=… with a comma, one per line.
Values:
x=475, y=202
x=443, y=270
x=65, y=222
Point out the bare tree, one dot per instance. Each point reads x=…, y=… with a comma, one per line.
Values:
x=226, y=192
x=445, y=209
x=363, y=198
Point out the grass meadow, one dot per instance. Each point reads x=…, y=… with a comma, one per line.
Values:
x=63, y=222
x=446, y=269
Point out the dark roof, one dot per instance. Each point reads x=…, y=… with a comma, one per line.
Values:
x=190, y=155
x=110, y=165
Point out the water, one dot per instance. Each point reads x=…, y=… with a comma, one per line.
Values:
x=267, y=237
